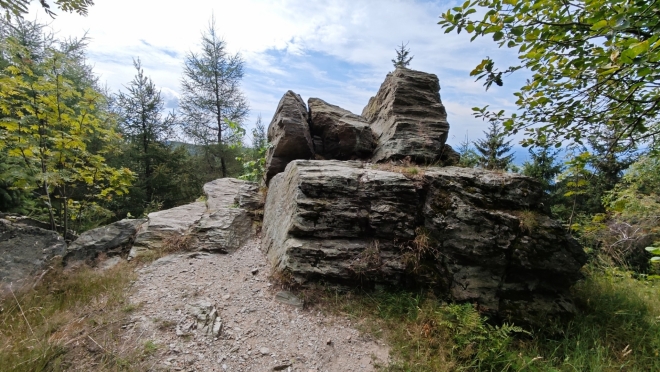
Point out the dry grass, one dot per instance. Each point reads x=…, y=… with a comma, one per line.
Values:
x=404, y=167
x=70, y=321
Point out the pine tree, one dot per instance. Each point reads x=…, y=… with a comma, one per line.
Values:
x=142, y=122
x=469, y=157
x=212, y=105
x=402, y=60
x=259, y=139
x=492, y=150
x=543, y=167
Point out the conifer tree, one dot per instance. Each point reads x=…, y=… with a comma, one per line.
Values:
x=402, y=60
x=212, y=104
x=141, y=121
x=493, y=150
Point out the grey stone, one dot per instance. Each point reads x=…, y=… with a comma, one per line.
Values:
x=500, y=249
x=165, y=225
x=113, y=239
x=25, y=251
x=205, y=319
x=408, y=117
x=449, y=156
x=471, y=235
x=322, y=216
x=288, y=134
x=289, y=298
x=233, y=193
x=338, y=133
x=224, y=230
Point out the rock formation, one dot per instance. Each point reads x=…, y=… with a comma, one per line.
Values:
x=288, y=135
x=338, y=133
x=25, y=250
x=470, y=235
x=222, y=223
x=408, y=117
x=114, y=239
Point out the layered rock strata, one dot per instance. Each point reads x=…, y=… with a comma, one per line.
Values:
x=408, y=117
x=115, y=239
x=470, y=235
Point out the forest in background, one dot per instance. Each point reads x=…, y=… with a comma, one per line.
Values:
x=77, y=155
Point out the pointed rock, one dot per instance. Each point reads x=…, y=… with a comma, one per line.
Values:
x=408, y=117
x=288, y=134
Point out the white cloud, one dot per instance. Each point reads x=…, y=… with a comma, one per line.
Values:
x=281, y=41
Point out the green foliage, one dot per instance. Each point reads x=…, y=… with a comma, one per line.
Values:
x=593, y=64
x=615, y=328
x=56, y=128
x=543, y=167
x=469, y=157
x=493, y=150
x=254, y=163
x=19, y=8
x=212, y=105
x=402, y=60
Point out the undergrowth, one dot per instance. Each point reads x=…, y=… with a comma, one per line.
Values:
x=617, y=328
x=70, y=321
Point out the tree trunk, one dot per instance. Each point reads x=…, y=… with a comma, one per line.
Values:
x=224, y=166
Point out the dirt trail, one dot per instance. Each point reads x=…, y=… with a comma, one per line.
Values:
x=177, y=298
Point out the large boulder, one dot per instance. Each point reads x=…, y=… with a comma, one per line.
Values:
x=288, y=134
x=166, y=227
x=322, y=216
x=338, y=133
x=221, y=223
x=24, y=251
x=408, y=117
x=112, y=240
x=470, y=235
x=499, y=247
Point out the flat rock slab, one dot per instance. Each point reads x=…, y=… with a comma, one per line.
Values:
x=408, y=117
x=113, y=239
x=338, y=133
x=24, y=251
x=288, y=134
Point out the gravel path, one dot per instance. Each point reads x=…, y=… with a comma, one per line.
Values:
x=207, y=312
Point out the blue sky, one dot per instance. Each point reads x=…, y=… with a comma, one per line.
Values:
x=337, y=50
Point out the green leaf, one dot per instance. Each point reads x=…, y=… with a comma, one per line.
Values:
x=497, y=36
x=599, y=25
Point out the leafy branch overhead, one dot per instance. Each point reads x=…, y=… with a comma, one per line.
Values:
x=593, y=63
x=19, y=8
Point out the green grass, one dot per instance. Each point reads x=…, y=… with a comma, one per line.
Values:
x=617, y=328
x=69, y=321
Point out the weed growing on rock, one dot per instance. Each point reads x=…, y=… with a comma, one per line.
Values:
x=368, y=261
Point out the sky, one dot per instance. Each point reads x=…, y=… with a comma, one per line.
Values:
x=336, y=50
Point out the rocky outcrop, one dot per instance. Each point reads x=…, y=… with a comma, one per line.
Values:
x=338, y=133
x=408, y=117
x=25, y=250
x=222, y=223
x=499, y=247
x=114, y=239
x=470, y=235
x=288, y=135
x=322, y=216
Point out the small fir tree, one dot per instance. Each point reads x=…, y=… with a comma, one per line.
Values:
x=493, y=151
x=402, y=60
